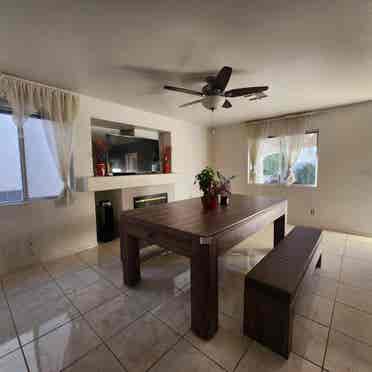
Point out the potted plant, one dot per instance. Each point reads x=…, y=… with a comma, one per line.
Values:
x=208, y=184
x=224, y=187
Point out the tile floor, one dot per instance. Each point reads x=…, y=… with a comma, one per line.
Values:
x=75, y=314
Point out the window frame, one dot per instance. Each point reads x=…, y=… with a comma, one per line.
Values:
x=5, y=109
x=284, y=185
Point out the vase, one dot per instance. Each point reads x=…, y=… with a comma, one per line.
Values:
x=100, y=169
x=209, y=202
x=225, y=200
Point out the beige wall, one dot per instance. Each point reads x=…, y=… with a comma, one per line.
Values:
x=343, y=198
x=43, y=230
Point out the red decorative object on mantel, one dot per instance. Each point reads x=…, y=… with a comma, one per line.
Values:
x=100, y=169
x=167, y=159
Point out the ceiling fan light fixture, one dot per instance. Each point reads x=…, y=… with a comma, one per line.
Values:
x=212, y=102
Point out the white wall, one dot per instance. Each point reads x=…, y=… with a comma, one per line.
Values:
x=343, y=198
x=45, y=230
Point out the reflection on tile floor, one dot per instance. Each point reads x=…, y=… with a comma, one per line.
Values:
x=76, y=315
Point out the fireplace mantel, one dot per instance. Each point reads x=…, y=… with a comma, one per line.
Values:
x=124, y=182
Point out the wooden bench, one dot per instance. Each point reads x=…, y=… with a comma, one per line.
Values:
x=272, y=286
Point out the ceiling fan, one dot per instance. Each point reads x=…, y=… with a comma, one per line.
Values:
x=213, y=93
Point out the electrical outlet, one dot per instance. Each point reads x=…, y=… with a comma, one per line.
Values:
x=312, y=211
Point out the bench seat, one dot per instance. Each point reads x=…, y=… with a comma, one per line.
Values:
x=272, y=286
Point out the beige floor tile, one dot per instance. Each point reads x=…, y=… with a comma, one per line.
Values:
x=333, y=246
x=93, y=295
x=309, y=339
x=359, y=238
x=333, y=236
x=143, y=343
x=356, y=273
x=320, y=285
x=25, y=279
x=60, y=348
x=176, y=312
x=346, y=355
x=231, y=293
x=109, y=262
x=113, y=247
x=47, y=292
x=185, y=358
x=315, y=308
x=35, y=321
x=360, y=249
x=78, y=280
x=227, y=346
x=260, y=359
x=65, y=265
x=355, y=297
x=335, y=249
x=98, y=256
x=112, y=272
x=183, y=280
x=331, y=266
x=242, y=262
x=353, y=323
x=8, y=337
x=147, y=252
x=153, y=292
x=13, y=362
x=167, y=267
x=111, y=317
x=97, y=360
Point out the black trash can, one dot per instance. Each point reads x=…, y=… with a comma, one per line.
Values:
x=105, y=221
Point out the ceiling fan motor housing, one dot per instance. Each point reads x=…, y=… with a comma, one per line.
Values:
x=212, y=102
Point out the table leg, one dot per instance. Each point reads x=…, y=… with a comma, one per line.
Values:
x=204, y=290
x=129, y=246
x=279, y=229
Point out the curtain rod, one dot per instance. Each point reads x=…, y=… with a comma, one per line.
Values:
x=305, y=113
x=2, y=75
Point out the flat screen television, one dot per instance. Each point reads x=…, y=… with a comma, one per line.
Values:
x=132, y=155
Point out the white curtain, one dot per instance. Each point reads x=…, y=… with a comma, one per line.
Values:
x=293, y=147
x=254, y=142
x=292, y=131
x=58, y=107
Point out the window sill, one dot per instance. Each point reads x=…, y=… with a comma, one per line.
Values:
x=283, y=185
x=30, y=201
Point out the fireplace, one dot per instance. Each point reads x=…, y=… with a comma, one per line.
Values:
x=147, y=200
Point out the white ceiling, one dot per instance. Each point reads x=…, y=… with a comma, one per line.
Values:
x=312, y=54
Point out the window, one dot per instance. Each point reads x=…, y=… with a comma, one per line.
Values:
x=276, y=154
x=28, y=166
x=11, y=189
x=271, y=160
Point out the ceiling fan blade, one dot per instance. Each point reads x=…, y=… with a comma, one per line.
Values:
x=184, y=90
x=227, y=104
x=191, y=103
x=222, y=78
x=245, y=91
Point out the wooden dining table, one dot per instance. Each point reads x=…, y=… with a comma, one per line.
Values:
x=185, y=228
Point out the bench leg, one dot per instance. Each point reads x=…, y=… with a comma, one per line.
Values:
x=268, y=320
x=204, y=290
x=279, y=229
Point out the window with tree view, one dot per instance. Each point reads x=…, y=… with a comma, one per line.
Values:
x=288, y=160
x=28, y=166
